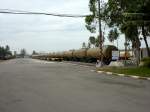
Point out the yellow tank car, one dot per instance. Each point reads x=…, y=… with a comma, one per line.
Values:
x=68, y=54
x=81, y=53
x=124, y=55
x=94, y=53
x=59, y=55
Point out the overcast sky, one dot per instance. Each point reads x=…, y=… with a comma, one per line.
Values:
x=44, y=33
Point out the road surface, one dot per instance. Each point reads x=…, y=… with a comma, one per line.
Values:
x=28, y=85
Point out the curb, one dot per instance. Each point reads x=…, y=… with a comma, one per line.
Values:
x=123, y=75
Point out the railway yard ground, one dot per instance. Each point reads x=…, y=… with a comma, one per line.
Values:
x=29, y=85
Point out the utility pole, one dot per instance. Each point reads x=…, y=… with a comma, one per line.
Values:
x=100, y=34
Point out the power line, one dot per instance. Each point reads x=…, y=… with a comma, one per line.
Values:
x=20, y=12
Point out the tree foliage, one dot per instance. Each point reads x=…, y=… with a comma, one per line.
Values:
x=113, y=35
x=34, y=52
x=23, y=52
x=83, y=45
x=5, y=52
x=92, y=40
x=131, y=17
x=92, y=20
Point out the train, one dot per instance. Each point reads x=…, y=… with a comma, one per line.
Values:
x=90, y=55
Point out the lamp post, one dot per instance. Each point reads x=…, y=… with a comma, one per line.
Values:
x=100, y=34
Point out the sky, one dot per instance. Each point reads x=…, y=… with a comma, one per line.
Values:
x=45, y=33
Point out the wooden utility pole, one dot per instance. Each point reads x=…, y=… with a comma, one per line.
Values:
x=100, y=34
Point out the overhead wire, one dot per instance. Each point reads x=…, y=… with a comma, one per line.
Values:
x=17, y=12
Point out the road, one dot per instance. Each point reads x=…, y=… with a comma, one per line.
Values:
x=28, y=85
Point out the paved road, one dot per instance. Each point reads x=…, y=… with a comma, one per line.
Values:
x=28, y=85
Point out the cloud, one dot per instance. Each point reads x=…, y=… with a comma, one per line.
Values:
x=44, y=33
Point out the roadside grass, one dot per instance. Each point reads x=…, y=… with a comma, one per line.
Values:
x=136, y=71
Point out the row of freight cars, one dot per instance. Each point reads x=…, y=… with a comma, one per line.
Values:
x=90, y=55
x=84, y=55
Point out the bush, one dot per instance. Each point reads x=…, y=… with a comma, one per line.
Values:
x=146, y=62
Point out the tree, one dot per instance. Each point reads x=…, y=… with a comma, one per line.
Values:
x=131, y=34
x=83, y=45
x=97, y=41
x=15, y=53
x=115, y=18
x=2, y=52
x=129, y=16
x=146, y=33
x=23, y=52
x=92, y=40
x=123, y=14
x=5, y=52
x=89, y=45
x=113, y=35
x=140, y=15
x=7, y=48
x=92, y=20
x=34, y=52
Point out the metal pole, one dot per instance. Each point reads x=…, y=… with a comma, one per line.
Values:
x=100, y=34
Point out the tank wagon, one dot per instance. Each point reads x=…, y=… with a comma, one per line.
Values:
x=90, y=55
x=125, y=55
x=94, y=53
x=37, y=56
x=68, y=55
x=83, y=55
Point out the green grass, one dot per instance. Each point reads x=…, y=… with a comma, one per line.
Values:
x=139, y=71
